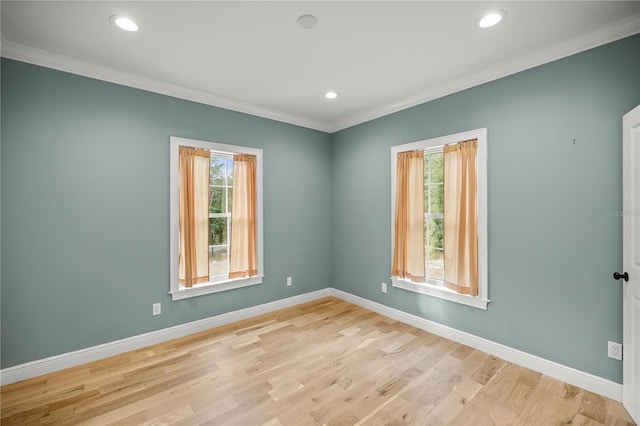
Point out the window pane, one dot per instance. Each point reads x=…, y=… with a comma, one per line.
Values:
x=434, y=204
x=426, y=195
x=433, y=172
x=217, y=200
x=435, y=266
x=217, y=171
x=435, y=233
x=426, y=169
x=230, y=181
x=217, y=231
x=229, y=163
x=218, y=264
x=436, y=199
x=437, y=171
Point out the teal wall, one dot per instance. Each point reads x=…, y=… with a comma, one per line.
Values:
x=85, y=207
x=552, y=248
x=85, y=218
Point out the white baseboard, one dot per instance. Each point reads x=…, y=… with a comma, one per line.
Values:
x=82, y=356
x=561, y=372
x=552, y=369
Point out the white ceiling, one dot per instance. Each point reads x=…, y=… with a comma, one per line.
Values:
x=252, y=57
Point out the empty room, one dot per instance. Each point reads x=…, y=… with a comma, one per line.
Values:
x=320, y=213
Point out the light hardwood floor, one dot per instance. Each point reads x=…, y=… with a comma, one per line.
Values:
x=323, y=362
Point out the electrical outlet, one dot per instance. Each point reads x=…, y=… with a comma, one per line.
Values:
x=615, y=351
x=157, y=309
x=289, y=282
x=384, y=287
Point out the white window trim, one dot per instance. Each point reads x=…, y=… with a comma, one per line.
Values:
x=482, y=299
x=179, y=292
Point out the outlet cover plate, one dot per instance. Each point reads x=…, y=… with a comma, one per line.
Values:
x=614, y=350
x=157, y=309
x=384, y=287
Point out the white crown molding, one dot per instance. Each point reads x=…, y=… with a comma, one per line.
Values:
x=552, y=369
x=618, y=30
x=71, y=359
x=615, y=31
x=31, y=55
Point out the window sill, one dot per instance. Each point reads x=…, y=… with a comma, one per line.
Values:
x=440, y=292
x=208, y=288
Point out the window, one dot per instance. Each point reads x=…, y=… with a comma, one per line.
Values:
x=433, y=215
x=216, y=217
x=220, y=193
x=439, y=217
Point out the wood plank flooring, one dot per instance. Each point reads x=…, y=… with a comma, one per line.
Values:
x=326, y=362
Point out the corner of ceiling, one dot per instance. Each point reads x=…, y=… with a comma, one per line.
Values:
x=617, y=30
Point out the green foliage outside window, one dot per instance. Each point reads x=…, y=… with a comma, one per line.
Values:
x=434, y=199
x=220, y=183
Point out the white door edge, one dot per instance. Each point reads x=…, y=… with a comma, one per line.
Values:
x=631, y=261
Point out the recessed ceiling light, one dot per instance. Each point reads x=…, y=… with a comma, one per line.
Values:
x=307, y=22
x=491, y=19
x=331, y=95
x=125, y=23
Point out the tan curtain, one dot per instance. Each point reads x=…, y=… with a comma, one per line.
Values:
x=461, y=218
x=408, y=247
x=242, y=250
x=194, y=216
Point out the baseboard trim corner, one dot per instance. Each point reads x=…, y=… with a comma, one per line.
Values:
x=549, y=368
x=552, y=369
x=71, y=359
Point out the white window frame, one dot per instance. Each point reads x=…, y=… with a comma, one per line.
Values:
x=482, y=299
x=176, y=290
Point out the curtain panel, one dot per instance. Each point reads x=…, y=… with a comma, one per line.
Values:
x=461, y=217
x=243, y=244
x=408, y=246
x=193, y=216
